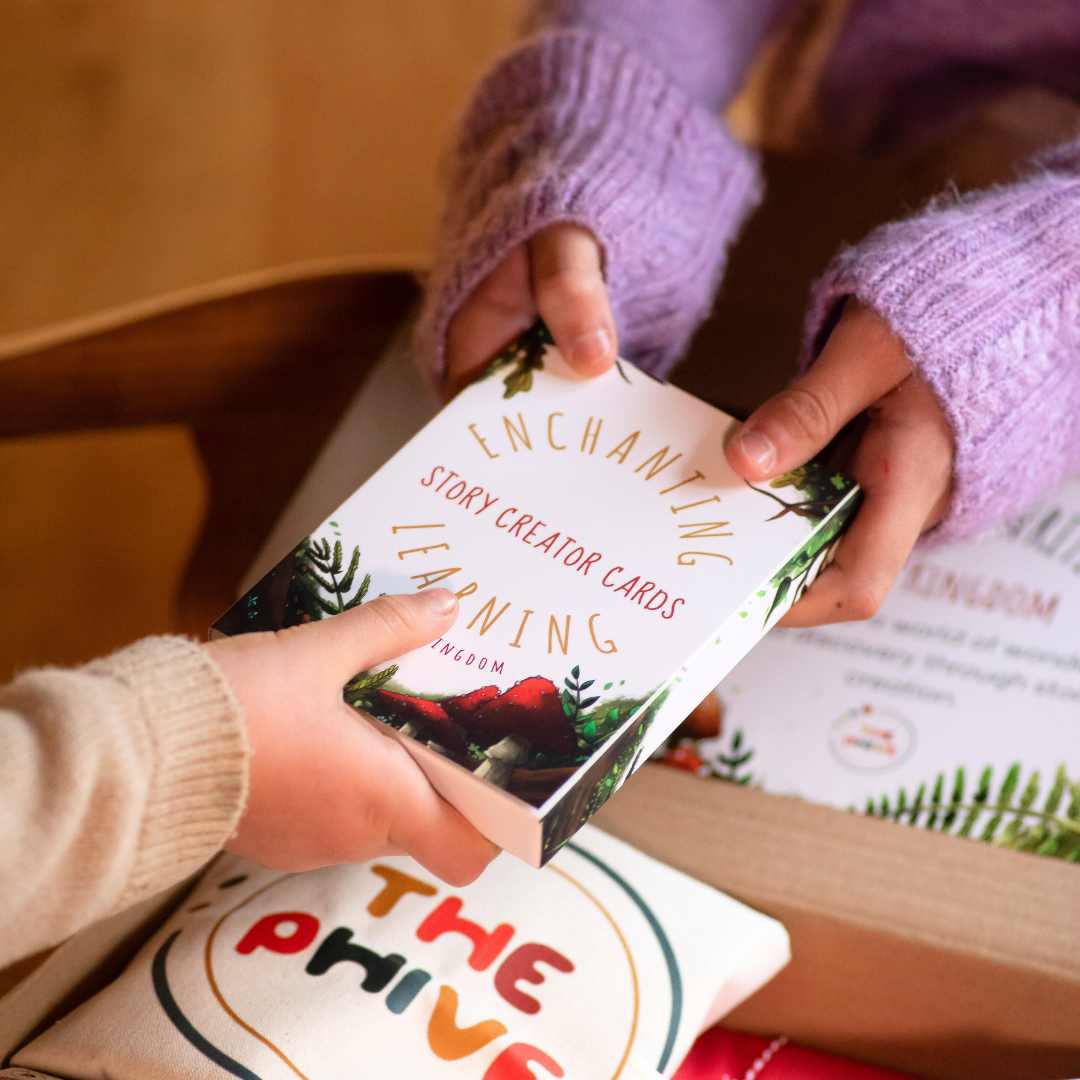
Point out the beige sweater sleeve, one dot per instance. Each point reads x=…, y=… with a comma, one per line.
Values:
x=117, y=779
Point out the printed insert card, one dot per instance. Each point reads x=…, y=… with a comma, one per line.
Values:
x=955, y=709
x=611, y=569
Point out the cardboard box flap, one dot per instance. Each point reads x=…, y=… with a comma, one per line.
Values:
x=933, y=954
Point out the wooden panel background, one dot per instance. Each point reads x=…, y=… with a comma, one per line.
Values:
x=149, y=146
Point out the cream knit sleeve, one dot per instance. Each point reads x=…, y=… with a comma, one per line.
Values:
x=117, y=779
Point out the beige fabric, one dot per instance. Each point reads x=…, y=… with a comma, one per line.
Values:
x=612, y=934
x=119, y=778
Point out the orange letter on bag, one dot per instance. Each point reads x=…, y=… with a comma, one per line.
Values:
x=452, y=1043
x=398, y=883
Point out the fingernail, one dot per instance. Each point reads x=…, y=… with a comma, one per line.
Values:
x=591, y=349
x=439, y=601
x=757, y=447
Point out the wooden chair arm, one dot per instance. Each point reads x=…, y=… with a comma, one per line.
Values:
x=260, y=368
x=215, y=351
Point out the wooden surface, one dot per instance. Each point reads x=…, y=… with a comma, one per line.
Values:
x=150, y=147
x=243, y=346
x=257, y=369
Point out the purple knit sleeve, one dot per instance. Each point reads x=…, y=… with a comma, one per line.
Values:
x=984, y=291
x=603, y=117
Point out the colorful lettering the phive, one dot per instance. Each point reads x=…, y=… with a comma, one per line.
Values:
x=288, y=933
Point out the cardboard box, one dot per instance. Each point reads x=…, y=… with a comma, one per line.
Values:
x=919, y=951
x=928, y=953
x=611, y=570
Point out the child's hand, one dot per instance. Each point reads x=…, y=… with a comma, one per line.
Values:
x=557, y=274
x=903, y=461
x=325, y=786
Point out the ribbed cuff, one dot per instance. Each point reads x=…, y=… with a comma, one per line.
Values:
x=200, y=757
x=579, y=129
x=984, y=292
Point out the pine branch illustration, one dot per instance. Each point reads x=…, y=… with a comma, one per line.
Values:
x=350, y=574
x=311, y=585
x=323, y=583
x=524, y=355
x=358, y=599
x=1044, y=829
x=361, y=688
x=319, y=572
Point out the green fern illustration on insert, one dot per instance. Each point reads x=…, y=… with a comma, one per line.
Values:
x=320, y=567
x=736, y=757
x=1013, y=818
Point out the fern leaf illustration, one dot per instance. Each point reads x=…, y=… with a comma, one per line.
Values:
x=358, y=599
x=1013, y=830
x=318, y=579
x=978, y=802
x=350, y=573
x=955, y=800
x=362, y=592
x=1032, y=826
x=360, y=688
x=325, y=606
x=320, y=572
x=935, y=801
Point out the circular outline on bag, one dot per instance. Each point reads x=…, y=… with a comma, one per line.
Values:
x=176, y=1015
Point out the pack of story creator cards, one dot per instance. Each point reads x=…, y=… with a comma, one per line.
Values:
x=611, y=569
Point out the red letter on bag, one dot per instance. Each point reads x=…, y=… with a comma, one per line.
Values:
x=513, y=1063
x=486, y=946
x=264, y=935
x=520, y=966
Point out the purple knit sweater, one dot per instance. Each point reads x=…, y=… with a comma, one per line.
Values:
x=607, y=115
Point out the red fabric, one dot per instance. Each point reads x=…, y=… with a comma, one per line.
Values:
x=721, y=1053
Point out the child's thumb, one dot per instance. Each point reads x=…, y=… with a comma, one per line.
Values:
x=385, y=628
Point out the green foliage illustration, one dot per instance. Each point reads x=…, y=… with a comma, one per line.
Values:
x=326, y=581
x=626, y=752
x=822, y=490
x=592, y=729
x=1010, y=815
x=624, y=763
x=734, y=759
x=360, y=689
x=572, y=702
x=523, y=356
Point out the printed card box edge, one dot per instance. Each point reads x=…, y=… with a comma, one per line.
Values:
x=702, y=671
x=524, y=828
